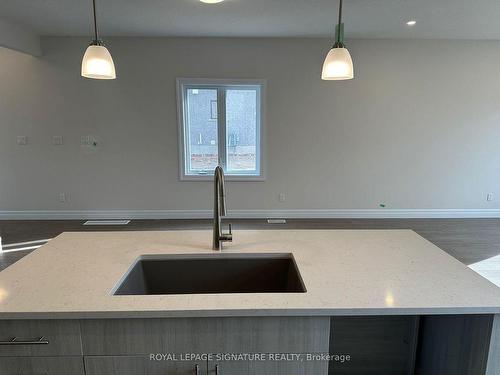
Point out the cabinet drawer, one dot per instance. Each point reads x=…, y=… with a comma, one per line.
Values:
x=41, y=366
x=141, y=366
x=60, y=338
x=206, y=335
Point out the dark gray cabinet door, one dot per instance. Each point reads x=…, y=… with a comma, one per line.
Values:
x=454, y=345
x=41, y=366
x=377, y=345
x=267, y=368
x=142, y=365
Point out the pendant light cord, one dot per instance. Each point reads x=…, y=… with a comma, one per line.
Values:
x=340, y=21
x=96, y=33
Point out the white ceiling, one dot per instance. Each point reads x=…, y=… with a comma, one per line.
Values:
x=439, y=19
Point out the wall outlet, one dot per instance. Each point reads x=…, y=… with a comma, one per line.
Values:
x=90, y=140
x=57, y=140
x=85, y=140
x=22, y=140
x=282, y=197
x=62, y=197
x=489, y=197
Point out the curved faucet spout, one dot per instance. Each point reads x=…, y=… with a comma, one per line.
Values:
x=220, y=184
x=220, y=210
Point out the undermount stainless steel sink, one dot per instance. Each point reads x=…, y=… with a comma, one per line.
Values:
x=212, y=273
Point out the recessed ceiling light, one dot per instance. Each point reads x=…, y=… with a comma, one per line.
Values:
x=411, y=23
x=211, y=1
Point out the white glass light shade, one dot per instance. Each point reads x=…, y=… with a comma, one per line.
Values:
x=97, y=63
x=338, y=65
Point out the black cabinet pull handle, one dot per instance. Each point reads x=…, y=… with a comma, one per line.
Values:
x=14, y=341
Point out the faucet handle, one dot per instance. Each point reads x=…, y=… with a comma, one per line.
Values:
x=227, y=237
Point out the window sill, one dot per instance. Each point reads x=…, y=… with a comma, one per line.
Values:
x=226, y=177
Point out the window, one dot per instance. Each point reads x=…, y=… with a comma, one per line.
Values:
x=220, y=122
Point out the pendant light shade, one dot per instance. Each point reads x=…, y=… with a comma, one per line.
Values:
x=97, y=62
x=338, y=64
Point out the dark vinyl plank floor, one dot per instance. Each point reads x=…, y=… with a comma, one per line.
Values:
x=468, y=240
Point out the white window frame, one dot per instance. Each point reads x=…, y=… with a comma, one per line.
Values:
x=183, y=84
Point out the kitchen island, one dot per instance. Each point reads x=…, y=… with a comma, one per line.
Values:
x=375, y=302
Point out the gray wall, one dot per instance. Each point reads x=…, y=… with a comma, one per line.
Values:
x=19, y=38
x=419, y=127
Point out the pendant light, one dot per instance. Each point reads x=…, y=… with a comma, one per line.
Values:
x=97, y=62
x=338, y=63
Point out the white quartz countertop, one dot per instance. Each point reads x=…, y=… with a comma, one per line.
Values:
x=346, y=272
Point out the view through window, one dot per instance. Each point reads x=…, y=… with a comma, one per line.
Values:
x=221, y=124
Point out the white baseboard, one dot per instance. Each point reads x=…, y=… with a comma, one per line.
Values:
x=253, y=214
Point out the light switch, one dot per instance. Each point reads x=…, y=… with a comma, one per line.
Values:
x=57, y=140
x=22, y=140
